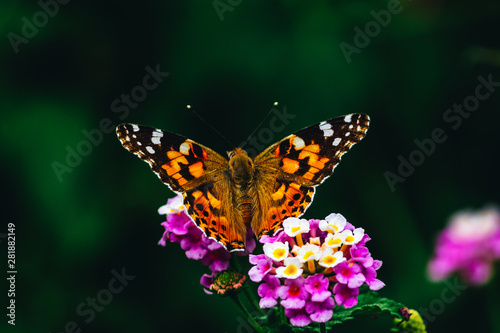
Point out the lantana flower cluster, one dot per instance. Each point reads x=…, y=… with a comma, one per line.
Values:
x=469, y=245
x=179, y=228
x=312, y=265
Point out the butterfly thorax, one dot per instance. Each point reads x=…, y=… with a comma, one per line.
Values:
x=240, y=167
x=241, y=170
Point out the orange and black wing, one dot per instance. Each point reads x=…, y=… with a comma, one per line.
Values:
x=194, y=170
x=297, y=164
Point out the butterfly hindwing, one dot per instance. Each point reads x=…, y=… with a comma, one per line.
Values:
x=289, y=199
x=208, y=206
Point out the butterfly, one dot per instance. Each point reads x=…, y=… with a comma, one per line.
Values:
x=226, y=196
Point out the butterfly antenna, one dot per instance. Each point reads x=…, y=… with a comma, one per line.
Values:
x=213, y=129
x=255, y=130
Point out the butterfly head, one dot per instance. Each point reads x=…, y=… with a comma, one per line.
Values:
x=240, y=165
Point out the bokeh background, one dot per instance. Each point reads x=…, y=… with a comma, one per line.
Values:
x=74, y=226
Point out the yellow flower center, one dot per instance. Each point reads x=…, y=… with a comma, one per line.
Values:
x=308, y=254
x=279, y=253
x=295, y=229
x=330, y=260
x=349, y=239
x=290, y=270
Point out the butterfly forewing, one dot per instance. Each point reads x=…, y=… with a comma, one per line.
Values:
x=179, y=162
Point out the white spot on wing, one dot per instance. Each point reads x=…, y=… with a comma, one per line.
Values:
x=336, y=141
x=351, y=126
x=347, y=118
x=139, y=143
x=150, y=149
x=347, y=134
x=298, y=143
x=324, y=126
x=135, y=128
x=184, y=148
x=158, y=133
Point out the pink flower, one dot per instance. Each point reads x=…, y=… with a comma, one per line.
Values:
x=176, y=226
x=194, y=243
x=360, y=254
x=317, y=286
x=206, y=281
x=321, y=312
x=322, y=262
x=298, y=317
x=179, y=228
x=371, y=275
x=269, y=292
x=469, y=245
x=216, y=258
x=293, y=293
x=345, y=296
x=349, y=273
x=262, y=267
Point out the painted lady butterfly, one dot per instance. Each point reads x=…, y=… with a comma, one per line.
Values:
x=225, y=197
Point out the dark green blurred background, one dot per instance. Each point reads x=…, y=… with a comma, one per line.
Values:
x=74, y=228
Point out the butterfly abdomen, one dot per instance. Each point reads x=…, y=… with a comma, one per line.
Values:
x=241, y=171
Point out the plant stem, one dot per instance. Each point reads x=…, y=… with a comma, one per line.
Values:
x=253, y=300
x=251, y=320
x=250, y=296
x=282, y=314
x=237, y=265
x=322, y=327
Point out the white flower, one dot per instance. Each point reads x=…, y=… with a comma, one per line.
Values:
x=334, y=240
x=291, y=270
x=330, y=259
x=277, y=251
x=174, y=205
x=308, y=252
x=333, y=222
x=294, y=226
x=353, y=237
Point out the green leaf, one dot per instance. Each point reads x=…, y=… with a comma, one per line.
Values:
x=369, y=303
